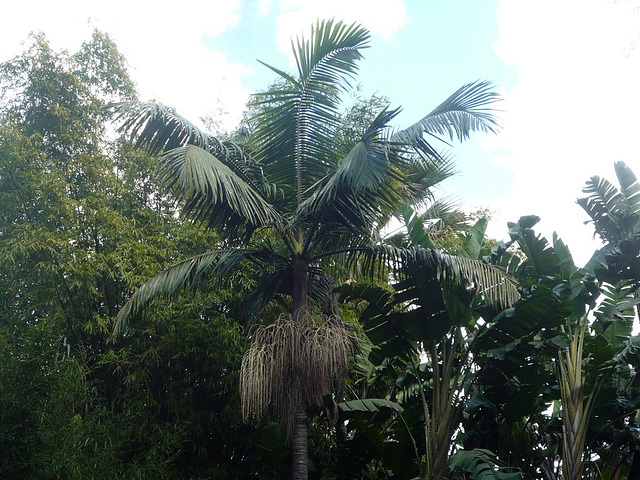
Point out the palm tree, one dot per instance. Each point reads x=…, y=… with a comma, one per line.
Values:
x=294, y=180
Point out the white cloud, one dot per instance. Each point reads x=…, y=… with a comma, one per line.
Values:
x=381, y=17
x=573, y=111
x=264, y=6
x=163, y=46
x=571, y=114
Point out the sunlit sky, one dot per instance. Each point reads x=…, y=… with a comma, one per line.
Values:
x=569, y=72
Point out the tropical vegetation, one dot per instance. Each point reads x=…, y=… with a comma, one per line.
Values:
x=274, y=329
x=295, y=196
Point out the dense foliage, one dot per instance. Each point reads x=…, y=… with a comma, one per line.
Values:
x=303, y=198
x=453, y=376
x=83, y=223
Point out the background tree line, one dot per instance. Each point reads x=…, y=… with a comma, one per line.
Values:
x=449, y=378
x=82, y=223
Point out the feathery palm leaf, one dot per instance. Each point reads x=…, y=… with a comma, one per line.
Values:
x=463, y=112
x=614, y=213
x=629, y=188
x=495, y=285
x=603, y=200
x=160, y=129
x=187, y=273
x=213, y=193
x=498, y=288
x=443, y=213
x=291, y=137
x=351, y=195
x=156, y=127
x=481, y=464
x=367, y=165
x=616, y=313
x=439, y=216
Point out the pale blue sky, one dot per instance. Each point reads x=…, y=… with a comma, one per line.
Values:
x=569, y=71
x=438, y=50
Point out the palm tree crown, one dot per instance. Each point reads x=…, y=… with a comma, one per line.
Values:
x=293, y=179
x=290, y=175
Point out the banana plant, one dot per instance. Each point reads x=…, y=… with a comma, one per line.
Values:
x=615, y=215
x=565, y=345
x=420, y=331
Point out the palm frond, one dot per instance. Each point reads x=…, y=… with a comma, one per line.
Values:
x=186, y=273
x=497, y=287
x=420, y=173
x=159, y=129
x=268, y=287
x=213, y=193
x=616, y=312
x=443, y=213
x=367, y=164
x=292, y=134
x=156, y=127
x=329, y=58
x=481, y=464
x=368, y=407
x=465, y=111
x=345, y=197
x=440, y=216
x=369, y=187
x=352, y=222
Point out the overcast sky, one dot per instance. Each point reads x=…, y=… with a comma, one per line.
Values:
x=569, y=71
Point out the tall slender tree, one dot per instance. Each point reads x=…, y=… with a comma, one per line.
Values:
x=299, y=202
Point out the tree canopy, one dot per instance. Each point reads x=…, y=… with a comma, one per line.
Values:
x=319, y=197
x=432, y=353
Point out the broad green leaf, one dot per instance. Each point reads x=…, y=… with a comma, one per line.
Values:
x=472, y=244
x=369, y=407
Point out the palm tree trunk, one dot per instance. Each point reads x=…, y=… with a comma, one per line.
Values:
x=299, y=447
x=300, y=303
x=341, y=440
x=299, y=454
